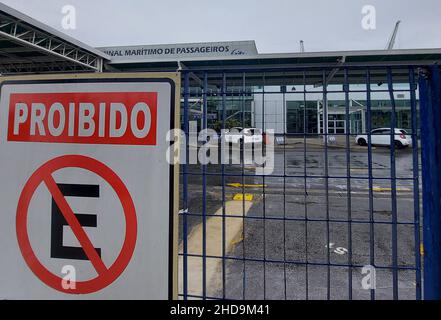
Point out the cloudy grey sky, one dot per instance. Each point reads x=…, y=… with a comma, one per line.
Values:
x=276, y=25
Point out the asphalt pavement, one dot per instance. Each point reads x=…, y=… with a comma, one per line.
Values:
x=297, y=241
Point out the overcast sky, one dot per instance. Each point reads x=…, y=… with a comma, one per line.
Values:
x=275, y=25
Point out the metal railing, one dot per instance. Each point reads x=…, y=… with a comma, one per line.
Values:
x=333, y=220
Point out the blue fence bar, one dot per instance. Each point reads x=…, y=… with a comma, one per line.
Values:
x=305, y=184
x=264, y=199
x=430, y=98
x=416, y=182
x=284, y=195
x=348, y=180
x=185, y=187
x=371, y=183
x=242, y=152
x=204, y=193
x=224, y=213
x=393, y=185
x=326, y=175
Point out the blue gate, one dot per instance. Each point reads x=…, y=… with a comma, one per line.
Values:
x=334, y=212
x=430, y=87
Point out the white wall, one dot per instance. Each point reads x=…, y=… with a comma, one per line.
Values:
x=274, y=114
x=275, y=110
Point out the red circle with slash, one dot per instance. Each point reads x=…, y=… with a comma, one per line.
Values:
x=106, y=276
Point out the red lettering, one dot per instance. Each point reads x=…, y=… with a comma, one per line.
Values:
x=123, y=118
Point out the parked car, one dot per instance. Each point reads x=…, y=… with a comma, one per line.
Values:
x=246, y=135
x=382, y=137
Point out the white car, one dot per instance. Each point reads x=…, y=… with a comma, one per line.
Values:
x=247, y=135
x=382, y=137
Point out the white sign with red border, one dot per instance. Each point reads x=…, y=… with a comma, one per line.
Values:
x=88, y=200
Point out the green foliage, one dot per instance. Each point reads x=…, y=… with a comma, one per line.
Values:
x=230, y=123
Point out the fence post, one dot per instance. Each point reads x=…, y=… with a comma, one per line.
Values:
x=430, y=108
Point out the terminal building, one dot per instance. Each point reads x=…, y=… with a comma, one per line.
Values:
x=292, y=99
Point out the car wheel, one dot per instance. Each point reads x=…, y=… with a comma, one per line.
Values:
x=399, y=145
x=362, y=142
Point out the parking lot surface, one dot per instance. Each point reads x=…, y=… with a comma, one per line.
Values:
x=296, y=241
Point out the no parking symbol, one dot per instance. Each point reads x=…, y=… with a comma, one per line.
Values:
x=44, y=175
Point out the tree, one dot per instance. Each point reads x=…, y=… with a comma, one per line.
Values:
x=230, y=123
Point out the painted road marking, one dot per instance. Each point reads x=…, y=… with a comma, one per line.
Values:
x=240, y=185
x=233, y=235
x=241, y=196
x=341, y=191
x=338, y=250
x=381, y=189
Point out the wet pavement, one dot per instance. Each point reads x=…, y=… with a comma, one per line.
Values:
x=303, y=220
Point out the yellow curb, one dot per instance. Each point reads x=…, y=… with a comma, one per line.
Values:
x=238, y=239
x=233, y=231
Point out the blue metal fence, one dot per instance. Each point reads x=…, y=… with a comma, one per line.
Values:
x=329, y=209
x=430, y=93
